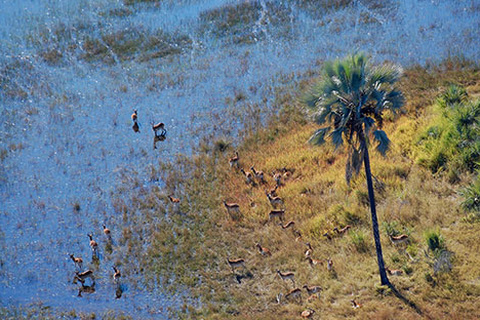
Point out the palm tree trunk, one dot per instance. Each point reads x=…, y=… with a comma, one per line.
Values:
x=376, y=234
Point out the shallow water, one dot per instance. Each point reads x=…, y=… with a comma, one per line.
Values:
x=66, y=131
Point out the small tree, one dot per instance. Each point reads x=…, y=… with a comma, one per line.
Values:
x=350, y=99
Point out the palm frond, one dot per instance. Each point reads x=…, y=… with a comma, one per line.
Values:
x=383, y=141
x=337, y=136
x=318, y=138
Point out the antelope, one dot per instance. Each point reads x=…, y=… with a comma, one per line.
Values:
x=77, y=260
x=264, y=251
x=157, y=139
x=355, y=304
x=343, y=230
x=159, y=126
x=329, y=264
x=116, y=275
x=274, y=201
x=287, y=275
x=86, y=289
x=308, y=313
x=294, y=293
x=313, y=262
x=135, y=127
x=313, y=290
x=278, y=178
x=107, y=232
x=285, y=226
x=399, y=239
x=258, y=175
x=173, y=200
x=309, y=251
x=93, y=243
x=395, y=272
x=232, y=208
x=298, y=235
x=82, y=276
x=280, y=213
x=134, y=116
x=233, y=161
x=234, y=263
x=248, y=176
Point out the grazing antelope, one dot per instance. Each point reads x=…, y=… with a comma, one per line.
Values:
x=134, y=116
x=232, y=208
x=86, y=289
x=329, y=264
x=82, y=276
x=287, y=225
x=394, y=272
x=403, y=238
x=295, y=293
x=314, y=262
x=159, y=127
x=93, y=243
x=309, y=250
x=234, y=161
x=343, y=230
x=287, y=275
x=274, y=201
x=313, y=289
x=116, y=275
x=78, y=261
x=355, y=304
x=234, y=263
x=136, y=127
x=258, y=175
x=280, y=213
x=264, y=251
x=308, y=313
x=248, y=177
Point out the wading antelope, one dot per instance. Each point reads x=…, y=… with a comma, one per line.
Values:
x=157, y=139
x=355, y=304
x=264, y=251
x=107, y=232
x=93, y=243
x=280, y=213
x=82, y=276
x=287, y=275
x=294, y=294
x=134, y=116
x=309, y=250
x=159, y=127
x=329, y=264
x=314, y=262
x=116, y=275
x=86, y=289
x=308, y=313
x=232, y=208
x=287, y=225
x=135, y=127
x=313, y=289
x=78, y=261
x=399, y=239
x=248, y=177
x=395, y=272
x=234, y=263
x=274, y=201
x=233, y=161
x=343, y=230
x=258, y=175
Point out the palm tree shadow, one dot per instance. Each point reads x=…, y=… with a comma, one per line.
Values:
x=407, y=301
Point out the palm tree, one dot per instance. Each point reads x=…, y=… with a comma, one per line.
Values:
x=350, y=99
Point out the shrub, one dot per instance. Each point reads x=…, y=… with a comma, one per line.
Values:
x=434, y=240
x=359, y=242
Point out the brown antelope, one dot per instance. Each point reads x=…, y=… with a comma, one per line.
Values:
x=135, y=127
x=159, y=127
x=274, y=201
x=116, y=275
x=264, y=251
x=287, y=275
x=248, y=177
x=403, y=238
x=86, y=289
x=280, y=213
x=134, y=116
x=232, y=208
x=394, y=272
x=295, y=293
x=343, y=230
x=82, y=276
x=298, y=235
x=314, y=262
x=93, y=243
x=287, y=225
x=107, y=232
x=258, y=175
x=77, y=261
x=234, y=161
x=308, y=313
x=173, y=200
x=234, y=263
x=329, y=264
x=313, y=289
x=355, y=304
